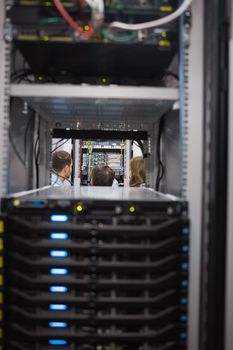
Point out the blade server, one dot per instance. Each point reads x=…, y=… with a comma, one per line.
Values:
x=95, y=268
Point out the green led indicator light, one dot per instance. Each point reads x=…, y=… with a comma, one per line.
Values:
x=132, y=209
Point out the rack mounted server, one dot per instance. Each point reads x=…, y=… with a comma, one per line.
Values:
x=56, y=53
x=94, y=268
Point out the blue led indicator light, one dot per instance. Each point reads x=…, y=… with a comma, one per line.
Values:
x=183, y=318
x=185, y=231
x=183, y=335
x=37, y=203
x=185, y=248
x=59, y=218
x=184, y=266
x=59, y=253
x=58, y=289
x=56, y=271
x=58, y=324
x=59, y=307
x=183, y=301
x=59, y=235
x=184, y=284
x=57, y=342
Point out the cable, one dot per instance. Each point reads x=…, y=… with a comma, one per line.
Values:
x=21, y=159
x=56, y=143
x=70, y=20
x=97, y=12
x=155, y=23
x=37, y=153
x=60, y=145
x=119, y=38
x=161, y=169
x=25, y=136
x=51, y=20
x=15, y=148
x=20, y=73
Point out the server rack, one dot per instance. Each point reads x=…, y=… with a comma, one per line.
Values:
x=191, y=98
x=82, y=271
x=111, y=153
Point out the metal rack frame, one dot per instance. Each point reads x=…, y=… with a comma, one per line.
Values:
x=229, y=244
x=4, y=100
x=193, y=148
x=192, y=143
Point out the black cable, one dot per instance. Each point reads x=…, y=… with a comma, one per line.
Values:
x=56, y=143
x=26, y=134
x=37, y=153
x=21, y=159
x=60, y=145
x=36, y=162
x=172, y=74
x=18, y=71
x=15, y=148
x=161, y=168
x=21, y=74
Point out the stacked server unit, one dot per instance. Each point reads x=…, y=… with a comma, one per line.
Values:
x=83, y=272
x=56, y=53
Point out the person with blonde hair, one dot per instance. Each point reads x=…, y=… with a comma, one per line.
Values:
x=137, y=172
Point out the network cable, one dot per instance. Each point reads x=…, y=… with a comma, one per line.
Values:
x=155, y=23
x=71, y=21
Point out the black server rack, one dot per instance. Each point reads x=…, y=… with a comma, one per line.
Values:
x=95, y=268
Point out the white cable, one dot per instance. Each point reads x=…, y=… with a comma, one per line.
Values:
x=155, y=23
x=97, y=12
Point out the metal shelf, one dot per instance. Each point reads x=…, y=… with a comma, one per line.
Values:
x=84, y=91
x=96, y=103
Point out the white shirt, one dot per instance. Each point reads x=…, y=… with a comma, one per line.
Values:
x=56, y=181
x=115, y=183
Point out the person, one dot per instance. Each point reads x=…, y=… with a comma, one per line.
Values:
x=102, y=175
x=137, y=172
x=61, y=168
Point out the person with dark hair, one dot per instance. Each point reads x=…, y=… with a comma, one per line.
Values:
x=61, y=168
x=137, y=172
x=102, y=175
